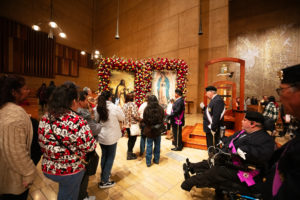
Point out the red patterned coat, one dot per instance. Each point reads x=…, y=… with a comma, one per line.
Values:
x=74, y=132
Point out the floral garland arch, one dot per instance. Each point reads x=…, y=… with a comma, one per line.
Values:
x=143, y=73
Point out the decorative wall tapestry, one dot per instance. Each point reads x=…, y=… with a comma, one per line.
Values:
x=163, y=86
x=143, y=73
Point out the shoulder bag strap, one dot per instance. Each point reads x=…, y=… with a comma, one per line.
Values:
x=62, y=144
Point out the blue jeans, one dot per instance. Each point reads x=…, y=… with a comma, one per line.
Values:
x=68, y=185
x=107, y=160
x=156, y=150
x=142, y=144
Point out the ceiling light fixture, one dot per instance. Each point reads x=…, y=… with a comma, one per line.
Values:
x=117, y=36
x=82, y=52
x=62, y=35
x=52, y=25
x=95, y=55
x=200, y=21
x=50, y=34
x=36, y=27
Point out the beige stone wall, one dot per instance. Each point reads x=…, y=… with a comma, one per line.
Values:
x=214, y=41
x=266, y=35
x=147, y=28
x=169, y=28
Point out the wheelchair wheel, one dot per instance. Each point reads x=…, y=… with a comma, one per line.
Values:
x=237, y=196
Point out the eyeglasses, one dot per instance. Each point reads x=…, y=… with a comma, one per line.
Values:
x=278, y=90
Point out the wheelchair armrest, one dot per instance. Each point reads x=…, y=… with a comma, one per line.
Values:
x=240, y=167
x=251, y=167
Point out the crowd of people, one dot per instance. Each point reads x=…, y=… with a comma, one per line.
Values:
x=68, y=132
x=71, y=125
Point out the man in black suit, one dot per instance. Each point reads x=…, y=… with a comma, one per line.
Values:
x=213, y=116
x=177, y=120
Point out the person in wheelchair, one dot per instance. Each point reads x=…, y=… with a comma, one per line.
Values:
x=239, y=165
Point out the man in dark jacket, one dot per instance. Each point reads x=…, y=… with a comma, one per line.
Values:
x=252, y=146
x=284, y=177
x=177, y=120
x=50, y=90
x=213, y=116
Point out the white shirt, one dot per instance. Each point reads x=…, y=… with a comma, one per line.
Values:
x=111, y=131
x=141, y=109
x=169, y=109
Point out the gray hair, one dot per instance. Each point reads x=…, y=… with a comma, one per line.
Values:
x=86, y=89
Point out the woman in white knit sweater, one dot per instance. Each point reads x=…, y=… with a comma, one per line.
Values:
x=17, y=170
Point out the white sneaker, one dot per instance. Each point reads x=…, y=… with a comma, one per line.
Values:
x=90, y=198
x=107, y=184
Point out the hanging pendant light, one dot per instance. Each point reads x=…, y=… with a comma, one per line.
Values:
x=36, y=27
x=62, y=35
x=200, y=23
x=117, y=36
x=95, y=55
x=50, y=34
x=53, y=24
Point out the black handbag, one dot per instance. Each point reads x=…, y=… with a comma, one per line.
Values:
x=159, y=128
x=92, y=163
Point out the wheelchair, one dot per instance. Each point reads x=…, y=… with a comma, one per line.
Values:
x=219, y=156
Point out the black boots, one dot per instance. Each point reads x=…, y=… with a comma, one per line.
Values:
x=131, y=156
x=187, y=169
x=186, y=172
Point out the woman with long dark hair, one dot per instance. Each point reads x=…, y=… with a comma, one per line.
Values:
x=108, y=115
x=130, y=110
x=17, y=170
x=153, y=118
x=65, y=139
